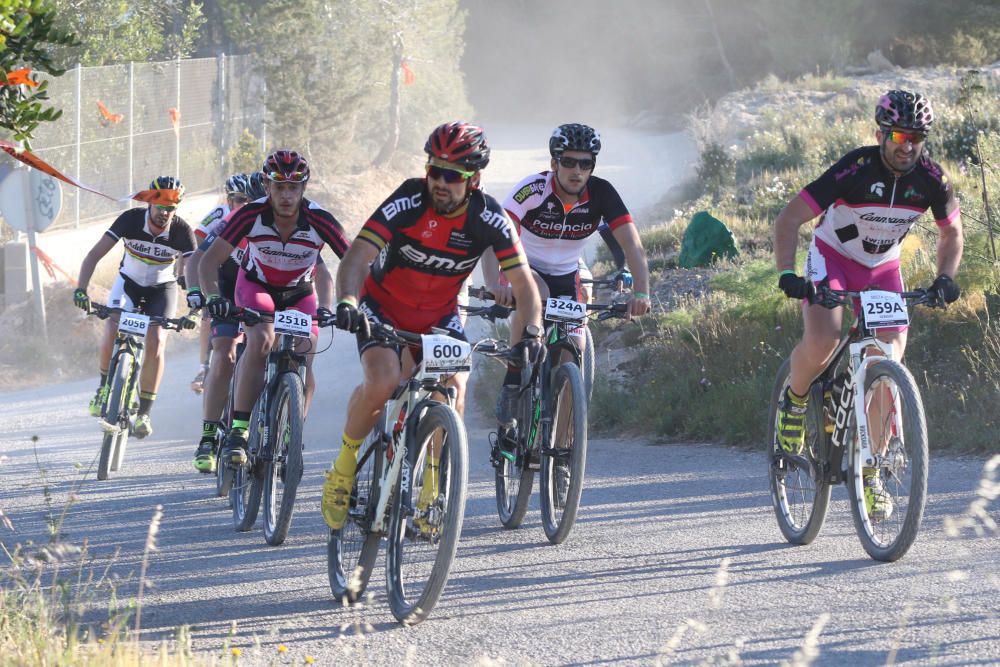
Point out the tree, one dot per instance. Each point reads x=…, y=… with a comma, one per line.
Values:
x=28, y=37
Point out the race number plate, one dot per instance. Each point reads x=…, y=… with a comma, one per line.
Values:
x=444, y=354
x=884, y=309
x=133, y=323
x=293, y=323
x=565, y=310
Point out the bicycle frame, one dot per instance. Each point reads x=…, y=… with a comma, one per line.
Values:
x=281, y=359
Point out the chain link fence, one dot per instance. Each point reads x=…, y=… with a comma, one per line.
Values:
x=123, y=125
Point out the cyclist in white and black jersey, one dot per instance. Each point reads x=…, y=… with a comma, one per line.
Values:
x=555, y=212
x=156, y=242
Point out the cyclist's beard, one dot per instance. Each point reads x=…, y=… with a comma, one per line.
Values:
x=448, y=205
x=570, y=189
x=903, y=164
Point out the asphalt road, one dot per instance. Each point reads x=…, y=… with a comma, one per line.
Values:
x=676, y=556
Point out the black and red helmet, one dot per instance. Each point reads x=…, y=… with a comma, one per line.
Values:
x=459, y=143
x=286, y=166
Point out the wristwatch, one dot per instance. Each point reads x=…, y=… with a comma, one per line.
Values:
x=532, y=331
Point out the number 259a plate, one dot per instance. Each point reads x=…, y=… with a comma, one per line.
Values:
x=884, y=309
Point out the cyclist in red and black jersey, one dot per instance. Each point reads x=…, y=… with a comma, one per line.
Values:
x=406, y=269
x=869, y=201
x=284, y=235
x=556, y=212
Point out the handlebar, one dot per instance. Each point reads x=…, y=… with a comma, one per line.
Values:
x=832, y=298
x=607, y=310
x=619, y=280
x=252, y=316
x=103, y=312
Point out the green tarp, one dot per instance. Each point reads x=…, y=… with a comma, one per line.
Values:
x=706, y=239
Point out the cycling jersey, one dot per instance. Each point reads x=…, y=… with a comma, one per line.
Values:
x=149, y=258
x=270, y=261
x=424, y=257
x=552, y=232
x=869, y=209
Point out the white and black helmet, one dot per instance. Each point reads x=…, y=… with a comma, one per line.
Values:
x=574, y=137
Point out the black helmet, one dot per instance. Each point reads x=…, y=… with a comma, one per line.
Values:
x=459, y=143
x=574, y=137
x=901, y=108
x=168, y=183
x=238, y=184
x=257, y=185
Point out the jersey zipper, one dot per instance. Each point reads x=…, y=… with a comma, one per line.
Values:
x=892, y=197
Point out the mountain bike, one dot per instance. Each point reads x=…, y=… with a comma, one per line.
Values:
x=274, y=436
x=618, y=281
x=865, y=419
x=122, y=402
x=398, y=491
x=549, y=433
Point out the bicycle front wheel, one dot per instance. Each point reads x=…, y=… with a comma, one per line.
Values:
x=564, y=459
x=284, y=470
x=589, y=363
x=428, y=508
x=351, y=550
x=887, y=520
x=800, y=492
x=115, y=413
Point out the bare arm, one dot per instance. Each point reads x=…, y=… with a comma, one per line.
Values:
x=949, y=248
x=354, y=268
x=324, y=285
x=529, y=304
x=100, y=249
x=786, y=232
x=208, y=266
x=635, y=256
x=491, y=270
x=191, y=274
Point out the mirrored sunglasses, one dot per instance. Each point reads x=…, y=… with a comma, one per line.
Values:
x=900, y=137
x=571, y=162
x=448, y=175
x=168, y=209
x=290, y=177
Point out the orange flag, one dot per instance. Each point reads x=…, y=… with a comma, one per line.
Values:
x=408, y=76
x=19, y=77
x=175, y=119
x=161, y=197
x=108, y=116
x=41, y=165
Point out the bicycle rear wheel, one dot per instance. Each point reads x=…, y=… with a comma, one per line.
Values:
x=564, y=458
x=800, y=492
x=115, y=412
x=351, y=550
x=891, y=394
x=284, y=470
x=588, y=362
x=423, y=540
x=248, y=480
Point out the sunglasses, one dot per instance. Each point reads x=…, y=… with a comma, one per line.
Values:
x=291, y=177
x=570, y=162
x=448, y=175
x=167, y=209
x=239, y=199
x=900, y=137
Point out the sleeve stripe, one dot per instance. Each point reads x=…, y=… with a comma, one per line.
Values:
x=112, y=235
x=379, y=229
x=512, y=262
x=374, y=239
x=810, y=202
x=504, y=254
x=620, y=220
x=952, y=217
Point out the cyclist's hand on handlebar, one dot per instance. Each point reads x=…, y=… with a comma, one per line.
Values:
x=220, y=306
x=531, y=348
x=325, y=316
x=945, y=288
x=795, y=286
x=81, y=300
x=638, y=304
x=195, y=298
x=187, y=323
x=349, y=318
x=503, y=295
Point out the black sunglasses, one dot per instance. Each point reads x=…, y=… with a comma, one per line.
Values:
x=570, y=162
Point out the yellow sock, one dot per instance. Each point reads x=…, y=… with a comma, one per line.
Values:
x=432, y=476
x=347, y=459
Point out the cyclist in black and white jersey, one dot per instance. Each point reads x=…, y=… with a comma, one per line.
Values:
x=156, y=242
x=869, y=200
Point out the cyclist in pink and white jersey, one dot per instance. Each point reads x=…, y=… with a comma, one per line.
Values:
x=284, y=233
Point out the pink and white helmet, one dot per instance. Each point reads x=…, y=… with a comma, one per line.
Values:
x=901, y=108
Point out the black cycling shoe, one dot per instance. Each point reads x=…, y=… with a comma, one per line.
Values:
x=234, y=450
x=507, y=404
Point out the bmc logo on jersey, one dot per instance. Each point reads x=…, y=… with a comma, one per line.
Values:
x=498, y=220
x=396, y=206
x=427, y=260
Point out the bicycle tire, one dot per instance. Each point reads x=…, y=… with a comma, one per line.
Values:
x=130, y=409
x=115, y=409
x=351, y=551
x=905, y=469
x=285, y=467
x=402, y=573
x=559, y=515
x=513, y=483
x=248, y=483
x=588, y=361
x=798, y=479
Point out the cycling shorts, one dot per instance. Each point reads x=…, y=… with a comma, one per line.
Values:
x=565, y=285
x=405, y=318
x=268, y=299
x=155, y=300
x=227, y=288
x=824, y=264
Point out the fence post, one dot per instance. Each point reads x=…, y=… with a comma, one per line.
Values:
x=177, y=132
x=223, y=112
x=131, y=129
x=79, y=137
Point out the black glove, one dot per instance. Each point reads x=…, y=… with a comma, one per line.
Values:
x=187, y=323
x=220, y=306
x=324, y=316
x=795, y=286
x=195, y=298
x=946, y=288
x=348, y=317
x=81, y=300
